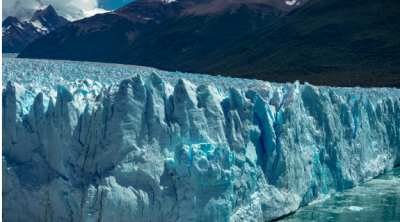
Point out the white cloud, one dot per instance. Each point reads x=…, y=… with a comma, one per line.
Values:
x=21, y=3
x=85, y=4
x=8, y=3
x=70, y=9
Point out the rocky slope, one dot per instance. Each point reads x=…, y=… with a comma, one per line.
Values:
x=17, y=35
x=189, y=25
x=324, y=42
x=47, y=20
x=335, y=43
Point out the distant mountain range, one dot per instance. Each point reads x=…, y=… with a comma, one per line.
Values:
x=23, y=10
x=325, y=42
x=17, y=35
x=203, y=25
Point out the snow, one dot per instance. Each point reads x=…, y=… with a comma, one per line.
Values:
x=93, y=12
x=292, y=2
x=355, y=208
x=4, y=31
x=39, y=26
x=19, y=25
x=6, y=28
x=105, y=142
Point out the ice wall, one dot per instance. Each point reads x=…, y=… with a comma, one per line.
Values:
x=144, y=150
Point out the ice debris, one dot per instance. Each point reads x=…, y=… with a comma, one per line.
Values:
x=355, y=208
x=161, y=146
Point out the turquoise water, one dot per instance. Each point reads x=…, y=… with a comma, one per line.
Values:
x=377, y=200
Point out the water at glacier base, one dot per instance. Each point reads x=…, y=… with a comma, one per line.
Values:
x=377, y=200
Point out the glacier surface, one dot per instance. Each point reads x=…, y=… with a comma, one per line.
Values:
x=101, y=142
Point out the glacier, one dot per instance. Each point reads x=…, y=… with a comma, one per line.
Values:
x=96, y=142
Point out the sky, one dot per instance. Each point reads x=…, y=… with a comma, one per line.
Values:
x=112, y=4
x=82, y=4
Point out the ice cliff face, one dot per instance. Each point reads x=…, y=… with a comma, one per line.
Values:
x=144, y=150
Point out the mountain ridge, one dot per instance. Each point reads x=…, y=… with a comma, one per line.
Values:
x=79, y=39
x=218, y=6
x=335, y=43
x=17, y=35
x=25, y=9
x=48, y=17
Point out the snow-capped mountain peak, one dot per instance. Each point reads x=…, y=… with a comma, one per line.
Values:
x=25, y=9
x=46, y=20
x=18, y=34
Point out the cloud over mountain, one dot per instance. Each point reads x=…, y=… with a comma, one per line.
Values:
x=70, y=9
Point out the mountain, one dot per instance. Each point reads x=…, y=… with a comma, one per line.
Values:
x=25, y=9
x=17, y=35
x=184, y=26
x=325, y=42
x=328, y=42
x=47, y=20
x=73, y=13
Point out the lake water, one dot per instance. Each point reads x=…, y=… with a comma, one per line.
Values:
x=377, y=200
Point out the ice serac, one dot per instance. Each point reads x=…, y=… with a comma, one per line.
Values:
x=149, y=151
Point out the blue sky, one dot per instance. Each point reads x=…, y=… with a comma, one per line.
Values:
x=112, y=4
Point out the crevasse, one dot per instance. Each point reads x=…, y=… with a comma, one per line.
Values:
x=148, y=151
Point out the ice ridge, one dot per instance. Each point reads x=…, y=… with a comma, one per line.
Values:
x=144, y=150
